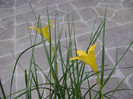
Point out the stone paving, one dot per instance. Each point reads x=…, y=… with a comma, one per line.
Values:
x=14, y=15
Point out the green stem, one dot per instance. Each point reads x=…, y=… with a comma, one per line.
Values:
x=53, y=49
x=56, y=69
x=99, y=83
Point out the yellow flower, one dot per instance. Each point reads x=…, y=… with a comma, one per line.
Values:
x=45, y=31
x=88, y=58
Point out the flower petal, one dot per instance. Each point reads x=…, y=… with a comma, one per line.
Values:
x=91, y=57
x=46, y=30
x=37, y=29
x=81, y=53
x=88, y=58
x=51, y=21
x=92, y=62
x=92, y=48
x=77, y=57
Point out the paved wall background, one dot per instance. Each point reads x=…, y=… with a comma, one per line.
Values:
x=14, y=34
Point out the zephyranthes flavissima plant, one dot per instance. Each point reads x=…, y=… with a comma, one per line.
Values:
x=69, y=85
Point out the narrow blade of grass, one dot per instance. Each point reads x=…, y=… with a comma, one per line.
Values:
x=2, y=89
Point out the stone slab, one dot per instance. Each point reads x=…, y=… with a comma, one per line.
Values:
x=6, y=67
x=125, y=64
x=47, y=3
x=7, y=33
x=53, y=13
x=107, y=62
x=111, y=85
x=85, y=3
x=34, y=2
x=2, y=3
x=127, y=3
x=76, y=25
x=22, y=17
x=112, y=1
x=130, y=80
x=72, y=15
x=21, y=81
x=21, y=3
x=118, y=36
x=6, y=47
x=7, y=22
x=7, y=12
x=8, y=4
x=101, y=12
x=1, y=29
x=24, y=8
x=65, y=7
x=25, y=42
x=84, y=40
x=23, y=30
x=123, y=16
x=87, y=13
x=40, y=58
x=95, y=23
x=6, y=87
x=110, y=6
